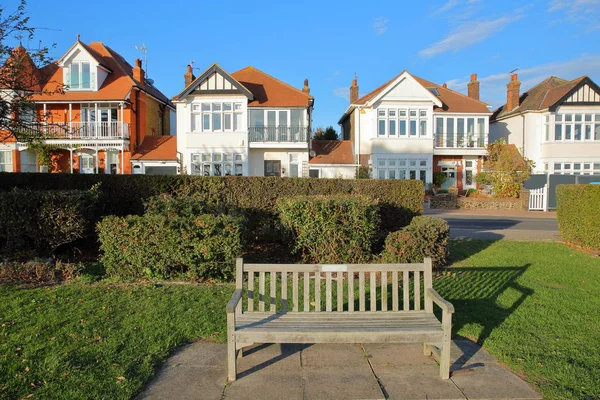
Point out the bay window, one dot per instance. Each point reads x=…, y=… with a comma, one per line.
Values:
x=217, y=164
x=217, y=117
x=6, y=161
x=402, y=168
x=401, y=123
x=575, y=127
x=455, y=131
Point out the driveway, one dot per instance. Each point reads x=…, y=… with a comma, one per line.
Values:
x=499, y=224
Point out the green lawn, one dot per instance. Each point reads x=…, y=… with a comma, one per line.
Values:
x=536, y=306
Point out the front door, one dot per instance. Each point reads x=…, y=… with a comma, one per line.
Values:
x=450, y=173
x=272, y=168
x=86, y=164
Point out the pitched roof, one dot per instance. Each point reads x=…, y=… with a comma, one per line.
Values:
x=156, y=148
x=269, y=91
x=20, y=72
x=116, y=86
x=214, y=69
x=452, y=101
x=332, y=152
x=542, y=96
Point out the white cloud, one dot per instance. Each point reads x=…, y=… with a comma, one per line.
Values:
x=342, y=92
x=468, y=34
x=447, y=6
x=380, y=25
x=493, y=87
x=585, y=13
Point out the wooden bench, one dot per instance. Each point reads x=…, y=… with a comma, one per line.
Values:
x=386, y=309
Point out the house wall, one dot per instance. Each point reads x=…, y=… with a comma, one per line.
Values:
x=257, y=157
x=334, y=171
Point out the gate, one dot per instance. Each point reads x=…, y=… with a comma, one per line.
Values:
x=538, y=199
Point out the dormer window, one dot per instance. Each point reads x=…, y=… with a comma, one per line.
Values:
x=80, y=76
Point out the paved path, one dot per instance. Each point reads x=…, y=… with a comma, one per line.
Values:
x=335, y=371
x=495, y=225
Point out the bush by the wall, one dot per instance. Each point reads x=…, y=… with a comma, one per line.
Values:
x=400, y=200
x=424, y=237
x=34, y=223
x=38, y=271
x=331, y=229
x=167, y=247
x=578, y=213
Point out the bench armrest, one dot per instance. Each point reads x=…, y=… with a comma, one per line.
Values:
x=437, y=299
x=235, y=299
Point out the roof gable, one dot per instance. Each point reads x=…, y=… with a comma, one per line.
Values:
x=583, y=92
x=215, y=80
x=405, y=87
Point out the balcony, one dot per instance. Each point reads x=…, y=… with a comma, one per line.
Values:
x=461, y=140
x=78, y=130
x=278, y=134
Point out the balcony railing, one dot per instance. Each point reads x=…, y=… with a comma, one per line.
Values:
x=78, y=130
x=277, y=134
x=461, y=140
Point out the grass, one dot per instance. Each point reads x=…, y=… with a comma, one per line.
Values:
x=97, y=341
x=535, y=306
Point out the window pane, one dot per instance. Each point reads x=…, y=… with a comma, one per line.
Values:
x=74, y=83
x=597, y=132
x=402, y=113
x=217, y=168
x=227, y=106
x=558, y=117
x=381, y=113
x=588, y=132
x=206, y=169
x=481, y=125
x=237, y=122
x=205, y=107
x=412, y=163
x=205, y=156
x=423, y=163
x=558, y=132
x=381, y=163
x=423, y=128
x=413, y=128
x=423, y=113
x=439, y=126
x=392, y=113
x=393, y=127
x=402, y=174
x=381, y=173
x=294, y=170
x=392, y=174
x=228, y=170
x=423, y=175
x=217, y=157
x=216, y=106
x=402, y=128
x=257, y=118
x=469, y=177
x=238, y=169
x=296, y=117
x=86, y=81
x=412, y=174
x=471, y=125
x=568, y=129
x=568, y=117
x=271, y=118
x=413, y=113
x=381, y=129
x=578, y=132
x=206, y=122
x=596, y=166
x=283, y=118
x=237, y=106
x=460, y=125
x=469, y=164
x=557, y=166
x=216, y=120
x=227, y=121
x=391, y=163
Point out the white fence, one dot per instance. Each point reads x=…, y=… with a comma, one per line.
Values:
x=538, y=199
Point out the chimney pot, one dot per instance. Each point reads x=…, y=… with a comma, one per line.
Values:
x=306, y=89
x=473, y=87
x=138, y=63
x=473, y=77
x=514, y=77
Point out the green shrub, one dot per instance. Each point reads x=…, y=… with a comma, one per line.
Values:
x=331, y=229
x=166, y=247
x=35, y=223
x=578, y=213
x=424, y=237
x=38, y=271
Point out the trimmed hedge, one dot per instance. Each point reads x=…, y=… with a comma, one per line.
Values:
x=331, y=229
x=424, y=237
x=400, y=200
x=578, y=213
x=36, y=223
x=38, y=271
x=167, y=247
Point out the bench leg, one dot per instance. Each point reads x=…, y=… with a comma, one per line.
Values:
x=426, y=350
x=445, y=357
x=231, y=361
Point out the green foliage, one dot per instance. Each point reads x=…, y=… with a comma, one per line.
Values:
x=439, y=178
x=38, y=271
x=331, y=229
x=255, y=197
x=424, y=237
x=154, y=246
x=482, y=178
x=363, y=172
x=505, y=168
x=471, y=192
x=44, y=153
x=35, y=223
x=328, y=133
x=578, y=213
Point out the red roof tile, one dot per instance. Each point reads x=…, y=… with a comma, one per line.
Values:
x=332, y=152
x=157, y=148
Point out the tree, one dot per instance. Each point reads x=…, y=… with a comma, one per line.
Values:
x=328, y=133
x=505, y=168
x=20, y=78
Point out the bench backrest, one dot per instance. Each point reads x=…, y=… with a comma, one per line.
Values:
x=279, y=288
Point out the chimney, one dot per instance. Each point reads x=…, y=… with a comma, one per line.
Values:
x=138, y=72
x=512, y=93
x=306, y=89
x=473, y=87
x=354, y=90
x=189, y=76
x=445, y=85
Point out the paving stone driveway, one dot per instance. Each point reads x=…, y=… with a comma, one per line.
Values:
x=335, y=371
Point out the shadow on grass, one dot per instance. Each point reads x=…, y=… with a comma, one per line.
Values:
x=461, y=249
x=475, y=294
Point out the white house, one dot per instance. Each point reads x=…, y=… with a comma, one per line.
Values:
x=245, y=123
x=556, y=124
x=409, y=128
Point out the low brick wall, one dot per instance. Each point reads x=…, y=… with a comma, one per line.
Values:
x=484, y=203
x=444, y=202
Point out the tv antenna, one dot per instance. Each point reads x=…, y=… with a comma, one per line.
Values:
x=513, y=71
x=144, y=50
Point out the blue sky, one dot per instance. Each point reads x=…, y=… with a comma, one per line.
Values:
x=329, y=41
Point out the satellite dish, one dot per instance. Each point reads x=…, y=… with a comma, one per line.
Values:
x=150, y=81
x=312, y=153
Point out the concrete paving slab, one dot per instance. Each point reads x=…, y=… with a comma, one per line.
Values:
x=388, y=355
x=352, y=382
x=493, y=382
x=417, y=382
x=267, y=385
x=332, y=355
x=269, y=357
x=465, y=352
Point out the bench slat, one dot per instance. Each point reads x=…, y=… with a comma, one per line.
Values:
x=405, y=286
x=306, y=292
x=328, y=291
x=428, y=284
x=384, y=291
x=395, y=290
x=340, y=291
x=250, y=291
x=261, y=291
x=284, y=292
x=273, y=292
x=417, y=290
x=373, y=290
x=318, y=292
x=361, y=290
x=295, y=290
x=325, y=267
x=371, y=336
x=350, y=291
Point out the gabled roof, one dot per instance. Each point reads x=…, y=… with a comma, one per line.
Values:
x=453, y=102
x=214, y=69
x=117, y=85
x=93, y=53
x=332, y=152
x=269, y=91
x=159, y=148
x=547, y=94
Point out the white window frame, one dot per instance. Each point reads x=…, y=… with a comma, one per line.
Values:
x=294, y=159
x=552, y=121
x=473, y=168
x=569, y=167
x=400, y=115
x=213, y=108
x=208, y=163
x=401, y=168
x=6, y=161
x=466, y=135
x=80, y=87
